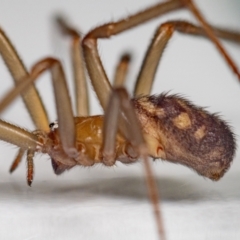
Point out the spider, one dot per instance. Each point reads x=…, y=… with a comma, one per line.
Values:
x=179, y=118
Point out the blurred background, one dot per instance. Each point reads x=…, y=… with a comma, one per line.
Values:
x=112, y=203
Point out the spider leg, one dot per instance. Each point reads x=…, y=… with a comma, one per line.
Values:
x=149, y=66
x=81, y=90
x=110, y=129
x=94, y=65
x=163, y=34
x=17, y=160
x=27, y=141
x=64, y=112
x=189, y=28
x=114, y=120
x=63, y=104
x=120, y=106
x=18, y=71
x=31, y=97
x=30, y=166
x=18, y=136
x=96, y=71
x=192, y=7
x=121, y=71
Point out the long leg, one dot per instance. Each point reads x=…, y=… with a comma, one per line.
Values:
x=96, y=71
x=63, y=104
x=31, y=97
x=81, y=91
x=192, y=7
x=163, y=34
x=189, y=28
x=18, y=71
x=17, y=136
x=64, y=112
x=120, y=104
x=152, y=57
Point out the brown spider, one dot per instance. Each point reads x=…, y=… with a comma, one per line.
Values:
x=173, y=128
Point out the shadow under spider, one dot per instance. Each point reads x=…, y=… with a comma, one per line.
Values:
x=134, y=188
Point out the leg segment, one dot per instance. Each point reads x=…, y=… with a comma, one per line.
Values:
x=31, y=97
x=18, y=71
x=63, y=104
x=110, y=129
x=163, y=34
x=18, y=136
x=116, y=118
x=192, y=7
x=189, y=28
x=27, y=141
x=120, y=104
x=149, y=66
x=81, y=91
x=30, y=167
x=64, y=109
x=17, y=160
x=121, y=71
x=96, y=71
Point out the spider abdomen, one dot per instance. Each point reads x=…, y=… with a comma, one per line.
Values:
x=186, y=134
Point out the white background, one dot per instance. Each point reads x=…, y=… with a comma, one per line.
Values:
x=112, y=203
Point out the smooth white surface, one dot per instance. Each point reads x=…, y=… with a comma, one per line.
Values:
x=111, y=203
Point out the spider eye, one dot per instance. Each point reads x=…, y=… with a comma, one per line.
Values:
x=53, y=125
